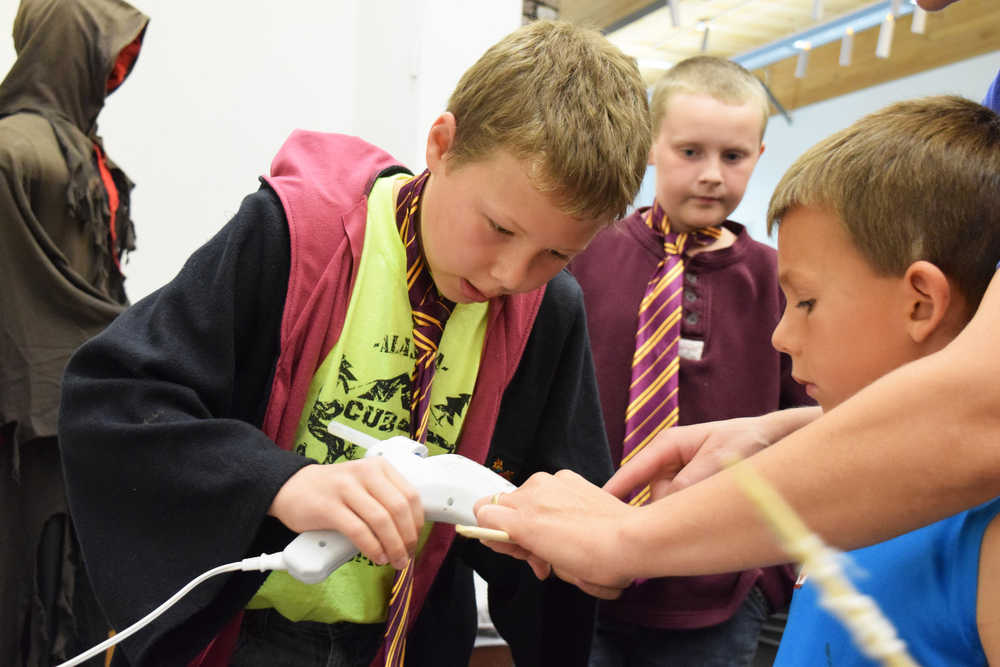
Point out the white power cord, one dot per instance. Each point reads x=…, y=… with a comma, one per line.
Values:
x=262, y=563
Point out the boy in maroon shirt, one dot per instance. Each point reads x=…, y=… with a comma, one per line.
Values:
x=708, y=118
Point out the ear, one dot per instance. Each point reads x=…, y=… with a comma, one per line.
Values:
x=651, y=161
x=440, y=140
x=929, y=297
x=761, y=152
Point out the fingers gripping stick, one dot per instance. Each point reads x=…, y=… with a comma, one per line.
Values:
x=449, y=486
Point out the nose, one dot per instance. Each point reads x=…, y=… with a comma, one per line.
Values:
x=781, y=337
x=711, y=170
x=512, y=270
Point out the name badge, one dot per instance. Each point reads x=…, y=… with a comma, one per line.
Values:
x=691, y=349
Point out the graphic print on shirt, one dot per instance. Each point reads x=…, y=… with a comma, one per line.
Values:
x=382, y=405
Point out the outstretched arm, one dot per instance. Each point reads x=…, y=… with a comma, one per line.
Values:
x=680, y=456
x=915, y=446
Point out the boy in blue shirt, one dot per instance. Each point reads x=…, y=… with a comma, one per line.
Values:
x=887, y=239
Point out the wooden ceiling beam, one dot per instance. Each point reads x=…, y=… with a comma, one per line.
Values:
x=965, y=29
x=606, y=15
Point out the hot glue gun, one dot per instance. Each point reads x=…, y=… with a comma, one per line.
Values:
x=449, y=486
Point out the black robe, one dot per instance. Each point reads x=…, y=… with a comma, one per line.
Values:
x=168, y=473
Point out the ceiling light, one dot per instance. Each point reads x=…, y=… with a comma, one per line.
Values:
x=675, y=13
x=884, y=44
x=801, y=63
x=818, y=35
x=846, y=46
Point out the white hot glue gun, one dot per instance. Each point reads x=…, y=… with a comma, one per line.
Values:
x=449, y=486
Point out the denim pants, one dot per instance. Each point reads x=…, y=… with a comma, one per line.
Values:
x=268, y=639
x=731, y=643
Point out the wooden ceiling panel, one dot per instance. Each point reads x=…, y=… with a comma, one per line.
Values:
x=644, y=30
x=966, y=29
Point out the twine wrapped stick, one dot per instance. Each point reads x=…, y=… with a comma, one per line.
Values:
x=872, y=632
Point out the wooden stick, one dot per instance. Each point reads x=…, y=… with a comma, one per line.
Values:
x=477, y=533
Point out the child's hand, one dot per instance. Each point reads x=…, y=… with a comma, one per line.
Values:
x=680, y=456
x=366, y=500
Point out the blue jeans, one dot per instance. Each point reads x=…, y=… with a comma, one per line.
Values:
x=268, y=639
x=731, y=643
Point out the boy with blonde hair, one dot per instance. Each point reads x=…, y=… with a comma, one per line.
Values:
x=345, y=289
x=710, y=355
x=888, y=234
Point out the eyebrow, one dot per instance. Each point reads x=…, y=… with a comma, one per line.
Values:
x=513, y=226
x=682, y=140
x=571, y=251
x=789, y=277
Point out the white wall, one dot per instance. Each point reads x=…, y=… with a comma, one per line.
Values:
x=219, y=85
x=411, y=55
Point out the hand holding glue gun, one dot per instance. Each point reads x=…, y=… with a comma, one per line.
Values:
x=448, y=486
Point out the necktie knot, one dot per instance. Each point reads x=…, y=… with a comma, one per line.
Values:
x=675, y=243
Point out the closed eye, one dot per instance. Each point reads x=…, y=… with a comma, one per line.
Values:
x=500, y=230
x=807, y=304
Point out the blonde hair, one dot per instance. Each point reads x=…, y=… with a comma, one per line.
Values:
x=721, y=79
x=567, y=101
x=917, y=180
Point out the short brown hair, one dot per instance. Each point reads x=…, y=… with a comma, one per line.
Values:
x=721, y=79
x=569, y=102
x=918, y=180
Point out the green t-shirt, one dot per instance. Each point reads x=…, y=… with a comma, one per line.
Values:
x=364, y=382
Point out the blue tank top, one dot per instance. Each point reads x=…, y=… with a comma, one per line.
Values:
x=925, y=582
x=992, y=99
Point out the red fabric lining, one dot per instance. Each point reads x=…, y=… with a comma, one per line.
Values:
x=124, y=63
x=109, y=186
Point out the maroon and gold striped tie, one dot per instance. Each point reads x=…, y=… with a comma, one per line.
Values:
x=430, y=313
x=652, y=393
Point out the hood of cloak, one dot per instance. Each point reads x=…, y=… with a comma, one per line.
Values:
x=64, y=205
